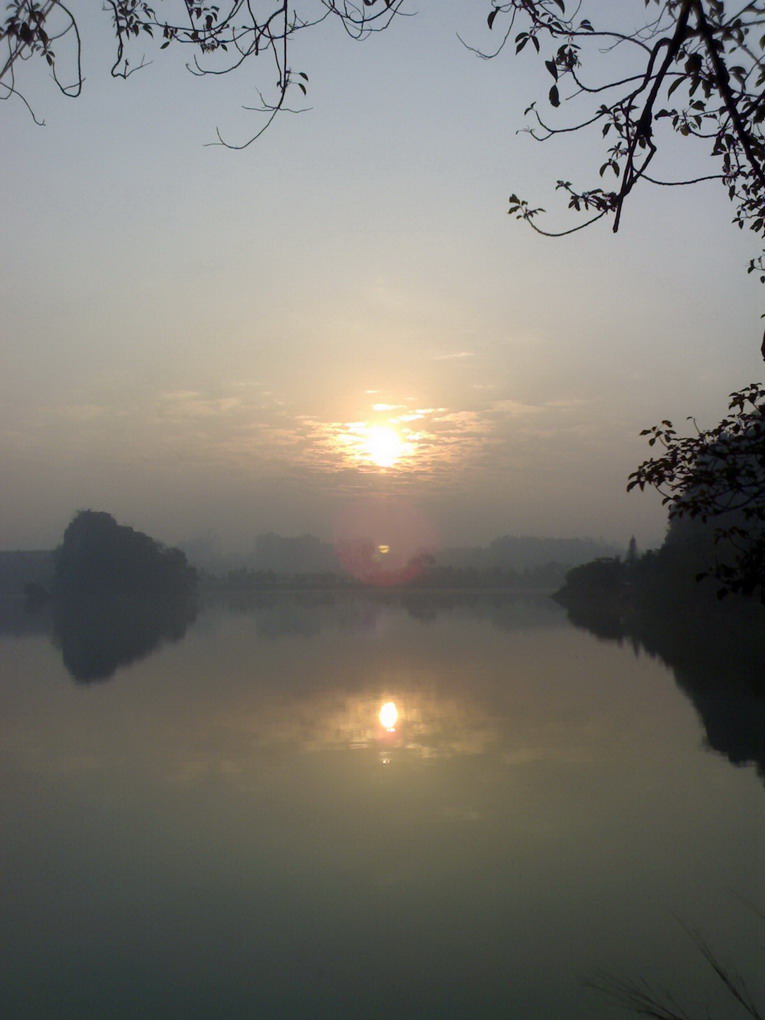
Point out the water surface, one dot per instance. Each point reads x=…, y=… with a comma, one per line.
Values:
x=224, y=829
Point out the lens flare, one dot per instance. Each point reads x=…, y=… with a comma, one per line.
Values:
x=381, y=541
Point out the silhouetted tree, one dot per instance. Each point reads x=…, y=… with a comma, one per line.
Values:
x=220, y=37
x=689, y=65
x=716, y=478
x=632, y=552
x=605, y=575
x=100, y=557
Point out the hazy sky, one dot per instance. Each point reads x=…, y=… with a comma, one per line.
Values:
x=198, y=339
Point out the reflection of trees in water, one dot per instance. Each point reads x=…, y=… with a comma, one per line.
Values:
x=717, y=655
x=19, y=620
x=304, y=612
x=97, y=636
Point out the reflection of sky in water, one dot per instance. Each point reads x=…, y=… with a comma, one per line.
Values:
x=309, y=613
x=227, y=828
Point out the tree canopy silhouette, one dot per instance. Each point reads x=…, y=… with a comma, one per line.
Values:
x=717, y=476
x=99, y=557
x=690, y=67
x=220, y=38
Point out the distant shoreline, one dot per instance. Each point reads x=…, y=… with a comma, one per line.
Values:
x=365, y=589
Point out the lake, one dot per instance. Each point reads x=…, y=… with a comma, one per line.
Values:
x=225, y=829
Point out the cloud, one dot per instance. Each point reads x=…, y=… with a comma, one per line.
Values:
x=252, y=436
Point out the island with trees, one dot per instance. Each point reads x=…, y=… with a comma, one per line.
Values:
x=110, y=593
x=99, y=557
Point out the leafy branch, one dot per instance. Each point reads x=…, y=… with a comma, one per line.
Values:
x=718, y=475
x=693, y=66
x=222, y=38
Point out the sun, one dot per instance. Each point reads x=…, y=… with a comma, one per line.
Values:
x=388, y=445
x=384, y=445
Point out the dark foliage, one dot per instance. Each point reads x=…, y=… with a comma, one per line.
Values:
x=693, y=67
x=605, y=574
x=690, y=66
x=716, y=479
x=99, y=557
x=220, y=38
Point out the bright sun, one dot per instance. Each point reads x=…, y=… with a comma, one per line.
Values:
x=384, y=445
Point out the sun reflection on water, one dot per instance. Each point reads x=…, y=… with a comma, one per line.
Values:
x=389, y=716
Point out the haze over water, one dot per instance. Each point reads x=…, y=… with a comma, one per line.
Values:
x=226, y=828
x=338, y=804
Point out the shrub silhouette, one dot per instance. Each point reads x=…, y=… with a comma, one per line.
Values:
x=100, y=557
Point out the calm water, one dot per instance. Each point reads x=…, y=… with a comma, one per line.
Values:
x=223, y=829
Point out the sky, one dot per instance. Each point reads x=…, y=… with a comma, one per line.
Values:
x=208, y=342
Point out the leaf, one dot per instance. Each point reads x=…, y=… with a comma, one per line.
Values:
x=492, y=16
x=552, y=67
x=554, y=97
x=693, y=63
